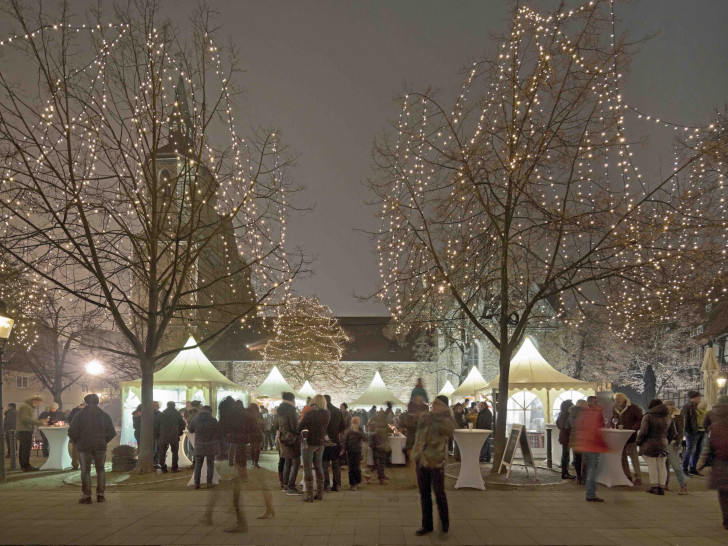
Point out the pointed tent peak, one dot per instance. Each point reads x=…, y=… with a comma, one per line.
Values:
x=473, y=383
x=190, y=342
x=377, y=394
x=192, y=366
x=275, y=384
x=447, y=389
x=306, y=390
x=528, y=352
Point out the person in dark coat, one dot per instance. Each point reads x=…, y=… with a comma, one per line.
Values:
x=91, y=431
x=157, y=415
x=234, y=424
x=10, y=420
x=692, y=433
x=564, y=433
x=673, y=449
x=335, y=429
x=571, y=425
x=74, y=450
x=207, y=436
x=484, y=422
x=290, y=442
x=136, y=422
x=171, y=427
x=409, y=423
x=587, y=439
x=256, y=426
x=379, y=443
x=717, y=449
x=419, y=391
x=656, y=431
x=312, y=428
x=629, y=417
x=351, y=446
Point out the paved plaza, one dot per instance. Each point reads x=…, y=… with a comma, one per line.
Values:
x=364, y=517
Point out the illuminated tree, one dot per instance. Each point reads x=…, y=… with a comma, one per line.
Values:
x=308, y=343
x=526, y=191
x=125, y=185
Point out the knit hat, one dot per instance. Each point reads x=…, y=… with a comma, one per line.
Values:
x=442, y=398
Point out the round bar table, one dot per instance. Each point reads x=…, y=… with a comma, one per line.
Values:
x=610, y=471
x=58, y=457
x=183, y=460
x=470, y=443
x=203, y=474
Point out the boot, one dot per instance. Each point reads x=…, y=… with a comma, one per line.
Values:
x=567, y=476
x=683, y=490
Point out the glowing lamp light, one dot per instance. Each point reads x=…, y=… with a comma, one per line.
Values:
x=94, y=368
x=721, y=382
x=6, y=325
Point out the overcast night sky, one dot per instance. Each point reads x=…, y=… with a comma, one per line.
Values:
x=326, y=74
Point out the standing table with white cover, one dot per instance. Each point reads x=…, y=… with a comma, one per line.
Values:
x=183, y=460
x=470, y=443
x=203, y=474
x=58, y=457
x=610, y=471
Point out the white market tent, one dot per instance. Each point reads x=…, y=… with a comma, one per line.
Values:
x=377, y=394
x=533, y=376
x=473, y=384
x=189, y=376
x=274, y=385
x=447, y=389
x=306, y=391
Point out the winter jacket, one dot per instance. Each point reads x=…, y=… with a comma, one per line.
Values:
x=256, y=424
x=586, y=434
x=434, y=432
x=74, y=412
x=409, y=422
x=630, y=417
x=267, y=420
x=379, y=432
x=352, y=440
x=235, y=424
x=157, y=415
x=562, y=422
x=690, y=414
x=484, y=420
x=336, y=424
x=171, y=426
x=136, y=422
x=91, y=429
x=717, y=420
x=419, y=391
x=26, y=420
x=316, y=422
x=207, y=434
x=288, y=437
x=347, y=421
x=11, y=420
x=655, y=430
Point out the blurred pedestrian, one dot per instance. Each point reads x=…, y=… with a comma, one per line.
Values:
x=256, y=426
x=352, y=448
x=629, y=417
x=673, y=449
x=26, y=422
x=419, y=390
x=692, y=433
x=717, y=449
x=564, y=433
x=207, y=435
x=587, y=439
x=171, y=427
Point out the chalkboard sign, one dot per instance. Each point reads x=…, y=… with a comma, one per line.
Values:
x=517, y=438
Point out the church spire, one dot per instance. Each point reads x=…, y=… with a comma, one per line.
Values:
x=180, y=131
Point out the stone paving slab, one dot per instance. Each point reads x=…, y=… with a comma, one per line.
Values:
x=364, y=517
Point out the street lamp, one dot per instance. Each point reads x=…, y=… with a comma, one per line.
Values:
x=94, y=368
x=721, y=384
x=6, y=326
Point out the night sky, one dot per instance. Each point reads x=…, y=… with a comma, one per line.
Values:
x=326, y=74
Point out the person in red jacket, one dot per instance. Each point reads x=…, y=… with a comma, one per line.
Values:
x=588, y=440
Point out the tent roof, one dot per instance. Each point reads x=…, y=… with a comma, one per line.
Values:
x=472, y=384
x=274, y=385
x=377, y=394
x=529, y=370
x=306, y=391
x=447, y=389
x=190, y=368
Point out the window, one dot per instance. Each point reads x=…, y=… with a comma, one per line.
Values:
x=84, y=387
x=525, y=408
x=472, y=355
x=21, y=382
x=574, y=396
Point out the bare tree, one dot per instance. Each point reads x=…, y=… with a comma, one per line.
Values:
x=308, y=343
x=526, y=191
x=126, y=186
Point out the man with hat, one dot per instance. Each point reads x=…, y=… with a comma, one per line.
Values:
x=435, y=429
x=25, y=425
x=692, y=434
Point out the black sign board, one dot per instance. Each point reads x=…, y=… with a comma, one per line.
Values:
x=518, y=438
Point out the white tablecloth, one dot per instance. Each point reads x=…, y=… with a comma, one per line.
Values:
x=183, y=460
x=58, y=457
x=610, y=472
x=397, y=444
x=203, y=474
x=470, y=443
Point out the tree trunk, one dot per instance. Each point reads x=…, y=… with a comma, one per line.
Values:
x=504, y=365
x=58, y=398
x=146, y=437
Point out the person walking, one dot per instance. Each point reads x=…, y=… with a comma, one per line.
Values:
x=587, y=439
x=312, y=428
x=379, y=443
x=25, y=425
x=692, y=434
x=91, y=431
x=334, y=430
x=629, y=417
x=352, y=448
x=419, y=390
x=434, y=432
x=10, y=422
x=207, y=436
x=571, y=425
x=256, y=426
x=673, y=449
x=290, y=443
x=171, y=427
x=564, y=433
x=717, y=449
x=656, y=430
x=484, y=421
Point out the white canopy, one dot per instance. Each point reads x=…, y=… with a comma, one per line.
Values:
x=377, y=394
x=472, y=384
x=306, y=391
x=447, y=389
x=274, y=385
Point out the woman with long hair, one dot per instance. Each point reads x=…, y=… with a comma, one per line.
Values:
x=312, y=429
